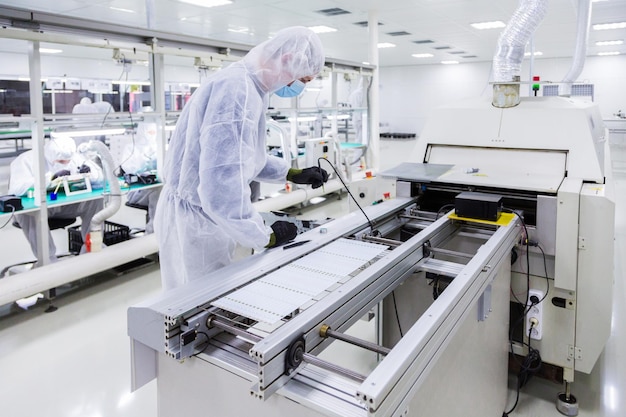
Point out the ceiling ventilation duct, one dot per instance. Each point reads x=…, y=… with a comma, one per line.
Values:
x=582, y=39
x=507, y=61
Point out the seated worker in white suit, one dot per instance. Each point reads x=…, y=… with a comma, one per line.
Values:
x=140, y=157
x=61, y=160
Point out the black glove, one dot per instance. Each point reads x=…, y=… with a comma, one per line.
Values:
x=315, y=176
x=84, y=169
x=283, y=233
x=61, y=173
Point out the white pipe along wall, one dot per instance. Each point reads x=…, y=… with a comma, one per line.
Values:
x=16, y=287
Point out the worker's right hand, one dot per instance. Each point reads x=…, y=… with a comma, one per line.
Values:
x=283, y=232
x=61, y=173
x=315, y=176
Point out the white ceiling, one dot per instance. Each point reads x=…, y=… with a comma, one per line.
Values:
x=445, y=22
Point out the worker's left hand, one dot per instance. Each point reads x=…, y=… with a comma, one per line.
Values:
x=61, y=173
x=84, y=169
x=315, y=176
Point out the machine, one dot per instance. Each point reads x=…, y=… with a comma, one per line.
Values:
x=255, y=340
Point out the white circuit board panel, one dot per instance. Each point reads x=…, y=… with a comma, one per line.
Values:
x=284, y=291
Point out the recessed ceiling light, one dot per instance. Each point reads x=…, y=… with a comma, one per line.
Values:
x=536, y=53
x=609, y=43
x=422, y=55
x=386, y=45
x=398, y=33
x=607, y=26
x=449, y=62
x=488, y=25
x=322, y=29
x=239, y=29
x=608, y=53
x=50, y=51
x=207, y=3
x=119, y=9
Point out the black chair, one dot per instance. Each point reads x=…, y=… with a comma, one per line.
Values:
x=139, y=207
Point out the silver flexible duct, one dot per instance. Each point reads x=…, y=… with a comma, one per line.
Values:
x=582, y=39
x=507, y=61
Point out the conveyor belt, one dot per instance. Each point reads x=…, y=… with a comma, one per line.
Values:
x=285, y=290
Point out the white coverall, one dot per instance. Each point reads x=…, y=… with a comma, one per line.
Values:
x=139, y=157
x=217, y=149
x=22, y=178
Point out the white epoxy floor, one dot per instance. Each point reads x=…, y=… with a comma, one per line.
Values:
x=75, y=362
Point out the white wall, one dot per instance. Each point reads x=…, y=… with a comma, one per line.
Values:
x=408, y=93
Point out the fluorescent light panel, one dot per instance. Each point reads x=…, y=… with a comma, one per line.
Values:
x=609, y=26
x=536, y=53
x=207, y=3
x=449, y=62
x=50, y=51
x=422, y=55
x=386, y=45
x=609, y=43
x=92, y=132
x=488, y=25
x=322, y=29
x=119, y=9
x=608, y=53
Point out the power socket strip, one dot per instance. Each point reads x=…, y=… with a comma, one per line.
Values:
x=535, y=313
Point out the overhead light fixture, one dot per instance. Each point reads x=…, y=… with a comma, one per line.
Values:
x=449, y=62
x=50, y=51
x=609, y=43
x=608, y=53
x=119, y=9
x=386, y=45
x=303, y=119
x=536, y=53
x=322, y=29
x=339, y=116
x=488, y=25
x=121, y=82
x=90, y=132
x=207, y=3
x=422, y=55
x=608, y=26
x=240, y=29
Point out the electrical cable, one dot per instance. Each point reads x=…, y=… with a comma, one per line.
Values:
x=442, y=208
x=206, y=344
x=395, y=307
x=10, y=217
x=374, y=231
x=533, y=356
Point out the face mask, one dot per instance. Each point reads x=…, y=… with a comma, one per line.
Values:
x=292, y=90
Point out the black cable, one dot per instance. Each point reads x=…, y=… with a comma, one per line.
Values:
x=206, y=344
x=442, y=208
x=374, y=231
x=395, y=307
x=10, y=217
x=526, y=369
x=545, y=268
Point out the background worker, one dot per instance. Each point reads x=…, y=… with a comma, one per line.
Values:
x=139, y=158
x=218, y=148
x=61, y=160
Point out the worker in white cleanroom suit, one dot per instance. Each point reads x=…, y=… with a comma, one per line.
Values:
x=138, y=158
x=61, y=160
x=218, y=148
